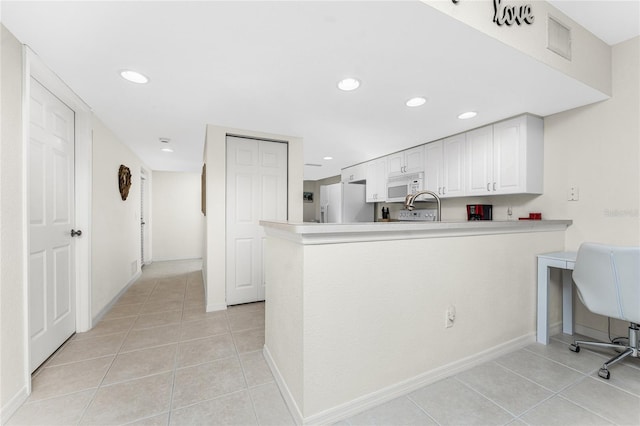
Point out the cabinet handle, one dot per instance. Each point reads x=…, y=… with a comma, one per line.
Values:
x=489, y=186
x=494, y=186
x=443, y=190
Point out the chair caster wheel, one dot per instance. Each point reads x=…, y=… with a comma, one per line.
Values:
x=574, y=348
x=604, y=373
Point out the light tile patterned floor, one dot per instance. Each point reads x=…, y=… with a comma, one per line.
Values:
x=157, y=358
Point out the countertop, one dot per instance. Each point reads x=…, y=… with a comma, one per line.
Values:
x=330, y=233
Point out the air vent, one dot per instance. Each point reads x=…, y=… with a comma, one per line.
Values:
x=558, y=38
x=313, y=165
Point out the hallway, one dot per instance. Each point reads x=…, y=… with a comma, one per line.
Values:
x=158, y=358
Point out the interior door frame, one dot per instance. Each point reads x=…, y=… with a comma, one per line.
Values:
x=34, y=67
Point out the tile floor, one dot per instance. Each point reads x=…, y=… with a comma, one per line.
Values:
x=157, y=358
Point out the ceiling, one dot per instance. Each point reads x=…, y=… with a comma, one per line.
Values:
x=273, y=67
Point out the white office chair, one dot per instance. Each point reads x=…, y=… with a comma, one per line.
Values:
x=608, y=282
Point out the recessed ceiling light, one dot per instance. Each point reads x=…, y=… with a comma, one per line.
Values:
x=134, y=76
x=348, y=84
x=167, y=149
x=416, y=102
x=327, y=158
x=467, y=115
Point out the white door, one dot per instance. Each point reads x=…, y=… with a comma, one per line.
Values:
x=143, y=222
x=51, y=218
x=256, y=190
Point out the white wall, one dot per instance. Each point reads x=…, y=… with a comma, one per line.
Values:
x=115, y=250
x=178, y=223
x=214, y=258
x=600, y=145
x=13, y=366
x=590, y=57
x=380, y=307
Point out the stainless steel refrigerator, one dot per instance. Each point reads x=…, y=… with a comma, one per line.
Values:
x=344, y=203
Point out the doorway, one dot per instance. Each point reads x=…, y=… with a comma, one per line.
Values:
x=68, y=287
x=256, y=189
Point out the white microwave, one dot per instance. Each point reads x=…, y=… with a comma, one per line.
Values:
x=400, y=186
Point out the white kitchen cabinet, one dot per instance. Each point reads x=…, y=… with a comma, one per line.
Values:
x=506, y=157
x=355, y=173
x=376, y=174
x=479, y=164
x=444, y=166
x=407, y=161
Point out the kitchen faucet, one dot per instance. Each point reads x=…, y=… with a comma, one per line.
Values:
x=411, y=198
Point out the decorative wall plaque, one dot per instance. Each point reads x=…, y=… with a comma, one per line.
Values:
x=509, y=14
x=124, y=181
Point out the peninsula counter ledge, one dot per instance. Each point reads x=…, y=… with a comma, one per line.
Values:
x=355, y=313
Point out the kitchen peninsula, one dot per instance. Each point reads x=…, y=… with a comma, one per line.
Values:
x=346, y=300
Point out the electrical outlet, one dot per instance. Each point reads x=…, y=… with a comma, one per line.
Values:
x=573, y=194
x=450, y=316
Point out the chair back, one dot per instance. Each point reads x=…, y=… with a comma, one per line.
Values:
x=608, y=280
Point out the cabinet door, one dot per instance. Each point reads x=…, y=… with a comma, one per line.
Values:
x=414, y=160
x=479, y=161
x=453, y=159
x=353, y=173
x=433, y=167
x=376, y=171
x=395, y=164
x=509, y=156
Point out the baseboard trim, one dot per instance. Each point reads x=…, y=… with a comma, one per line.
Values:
x=389, y=393
x=108, y=307
x=13, y=405
x=282, y=385
x=555, y=328
x=212, y=307
x=592, y=333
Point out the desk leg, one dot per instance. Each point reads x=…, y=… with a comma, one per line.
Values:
x=543, y=302
x=567, y=302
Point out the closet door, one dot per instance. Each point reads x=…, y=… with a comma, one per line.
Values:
x=256, y=190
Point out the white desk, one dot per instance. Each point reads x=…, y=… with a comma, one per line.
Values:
x=564, y=260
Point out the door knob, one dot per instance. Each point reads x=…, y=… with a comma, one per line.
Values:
x=75, y=233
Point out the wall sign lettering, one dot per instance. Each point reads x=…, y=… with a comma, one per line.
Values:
x=509, y=14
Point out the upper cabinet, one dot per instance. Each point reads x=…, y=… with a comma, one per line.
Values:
x=408, y=161
x=444, y=166
x=376, y=173
x=355, y=173
x=502, y=158
x=479, y=161
x=506, y=157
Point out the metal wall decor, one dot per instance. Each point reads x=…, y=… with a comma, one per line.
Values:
x=124, y=181
x=509, y=14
